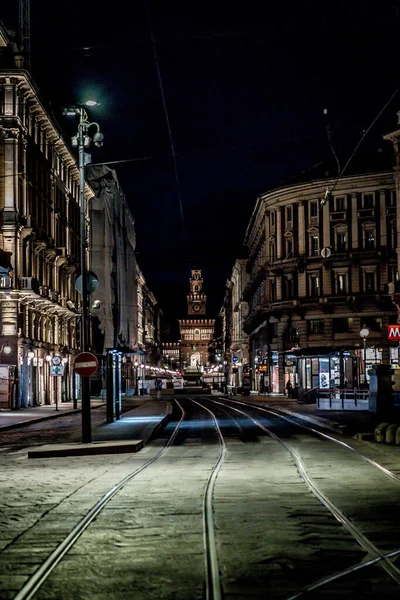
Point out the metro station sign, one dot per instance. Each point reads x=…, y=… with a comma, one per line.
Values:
x=394, y=332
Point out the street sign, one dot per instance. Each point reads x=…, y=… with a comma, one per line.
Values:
x=235, y=359
x=56, y=360
x=86, y=364
x=56, y=371
x=394, y=332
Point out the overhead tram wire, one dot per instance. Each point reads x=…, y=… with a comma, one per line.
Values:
x=329, y=191
x=171, y=141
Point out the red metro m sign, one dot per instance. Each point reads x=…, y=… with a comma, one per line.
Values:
x=394, y=332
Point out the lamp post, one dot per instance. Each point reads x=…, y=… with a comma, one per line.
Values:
x=364, y=333
x=136, y=364
x=82, y=141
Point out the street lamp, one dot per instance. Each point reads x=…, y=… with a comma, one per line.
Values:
x=5, y=349
x=82, y=141
x=364, y=333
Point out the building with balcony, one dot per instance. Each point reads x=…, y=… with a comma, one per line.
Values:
x=321, y=256
x=39, y=243
x=233, y=313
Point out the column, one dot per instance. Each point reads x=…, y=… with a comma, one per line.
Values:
x=383, y=241
x=354, y=222
x=301, y=232
x=278, y=230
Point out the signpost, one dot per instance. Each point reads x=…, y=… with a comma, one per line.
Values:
x=86, y=364
x=235, y=359
x=56, y=370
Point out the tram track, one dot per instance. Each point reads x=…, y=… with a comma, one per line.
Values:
x=212, y=579
x=39, y=577
x=380, y=558
x=213, y=584
x=321, y=434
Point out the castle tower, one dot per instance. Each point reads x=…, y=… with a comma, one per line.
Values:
x=195, y=332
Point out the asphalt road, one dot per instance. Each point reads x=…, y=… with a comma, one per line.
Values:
x=290, y=510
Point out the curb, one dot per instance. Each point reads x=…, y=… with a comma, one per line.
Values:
x=42, y=419
x=160, y=425
x=321, y=422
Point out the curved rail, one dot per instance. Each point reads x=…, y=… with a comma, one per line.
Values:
x=344, y=573
x=392, y=570
x=213, y=582
x=323, y=435
x=40, y=576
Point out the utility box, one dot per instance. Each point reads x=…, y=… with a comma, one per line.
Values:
x=381, y=398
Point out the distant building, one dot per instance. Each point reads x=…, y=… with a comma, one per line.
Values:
x=126, y=323
x=235, y=342
x=195, y=333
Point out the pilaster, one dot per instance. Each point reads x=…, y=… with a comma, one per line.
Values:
x=302, y=229
x=278, y=230
x=354, y=222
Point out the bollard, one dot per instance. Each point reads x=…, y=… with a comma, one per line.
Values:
x=380, y=431
x=390, y=435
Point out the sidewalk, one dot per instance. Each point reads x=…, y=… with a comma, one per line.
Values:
x=345, y=422
x=129, y=434
x=10, y=419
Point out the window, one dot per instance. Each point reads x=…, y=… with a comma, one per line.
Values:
x=340, y=204
x=272, y=252
x=289, y=288
x=315, y=326
x=314, y=245
x=369, y=278
x=342, y=324
x=289, y=212
x=314, y=286
x=313, y=209
x=341, y=241
x=372, y=323
x=368, y=201
x=341, y=283
x=273, y=330
x=369, y=240
x=289, y=247
x=393, y=274
x=272, y=218
x=272, y=290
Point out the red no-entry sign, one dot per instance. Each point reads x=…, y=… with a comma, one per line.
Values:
x=86, y=364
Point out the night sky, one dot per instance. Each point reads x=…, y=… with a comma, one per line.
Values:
x=245, y=88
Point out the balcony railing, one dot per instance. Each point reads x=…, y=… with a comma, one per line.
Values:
x=6, y=282
x=29, y=284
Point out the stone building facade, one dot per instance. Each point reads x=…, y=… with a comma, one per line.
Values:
x=321, y=256
x=195, y=333
x=233, y=313
x=39, y=245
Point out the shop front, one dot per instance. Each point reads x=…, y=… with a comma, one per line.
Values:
x=324, y=372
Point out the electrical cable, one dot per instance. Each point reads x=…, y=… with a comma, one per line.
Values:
x=171, y=141
x=330, y=190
